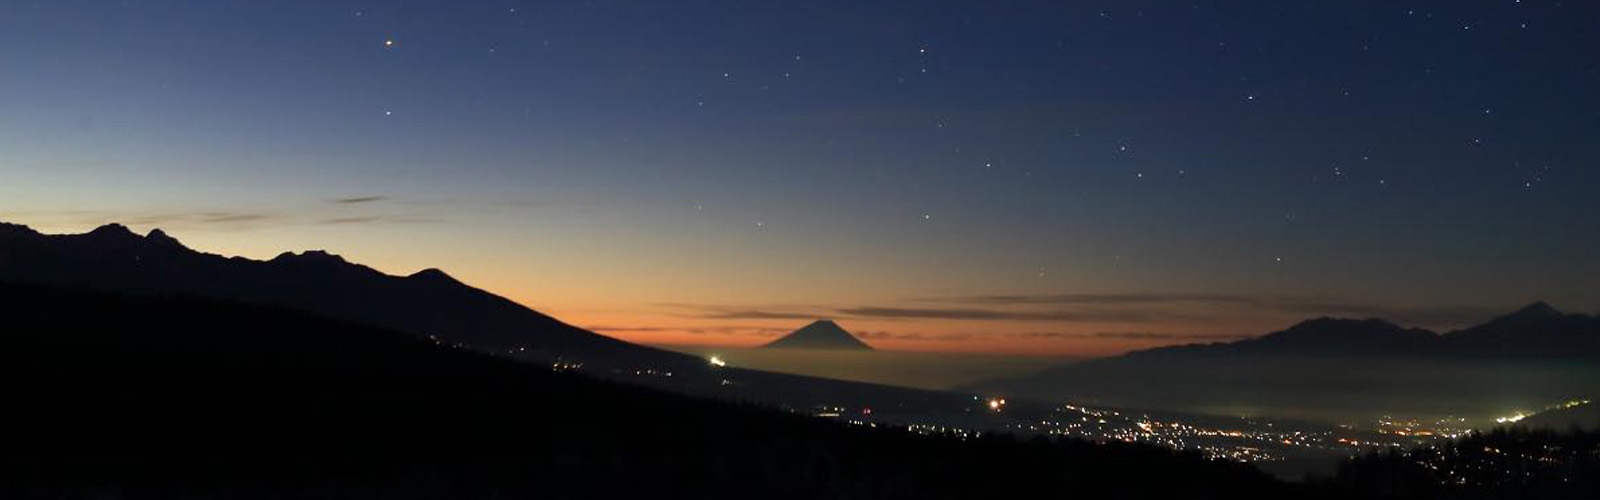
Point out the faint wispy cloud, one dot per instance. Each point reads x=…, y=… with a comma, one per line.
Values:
x=1129, y=335
x=378, y=219
x=359, y=199
x=708, y=311
x=1098, y=299
x=1124, y=308
x=212, y=220
x=1212, y=305
x=917, y=336
x=695, y=330
x=1084, y=315
x=344, y=211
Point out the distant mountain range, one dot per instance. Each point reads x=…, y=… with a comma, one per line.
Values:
x=1537, y=331
x=821, y=334
x=428, y=303
x=1325, y=368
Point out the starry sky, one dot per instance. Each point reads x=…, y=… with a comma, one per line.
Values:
x=1038, y=177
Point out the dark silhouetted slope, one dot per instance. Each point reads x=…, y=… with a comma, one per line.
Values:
x=1505, y=463
x=110, y=396
x=821, y=334
x=1577, y=414
x=427, y=304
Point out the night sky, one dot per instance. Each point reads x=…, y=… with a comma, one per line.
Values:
x=1029, y=176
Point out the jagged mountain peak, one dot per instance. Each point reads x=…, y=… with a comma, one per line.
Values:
x=310, y=257
x=161, y=238
x=113, y=230
x=433, y=275
x=113, y=258
x=1331, y=325
x=113, y=227
x=7, y=227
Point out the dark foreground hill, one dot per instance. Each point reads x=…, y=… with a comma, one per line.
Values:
x=115, y=397
x=428, y=303
x=1577, y=414
x=1505, y=463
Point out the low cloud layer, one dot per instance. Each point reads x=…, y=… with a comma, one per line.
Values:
x=1211, y=305
x=1131, y=336
x=359, y=199
x=695, y=330
x=1117, y=308
x=355, y=210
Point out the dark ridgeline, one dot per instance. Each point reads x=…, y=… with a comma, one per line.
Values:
x=112, y=396
x=1537, y=331
x=1346, y=363
x=821, y=334
x=1580, y=414
x=428, y=304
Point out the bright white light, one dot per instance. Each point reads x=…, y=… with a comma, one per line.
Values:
x=716, y=361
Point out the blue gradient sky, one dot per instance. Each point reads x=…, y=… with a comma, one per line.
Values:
x=1124, y=173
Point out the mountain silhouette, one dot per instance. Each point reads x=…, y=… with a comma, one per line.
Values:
x=1315, y=337
x=820, y=334
x=1330, y=366
x=428, y=304
x=1535, y=331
